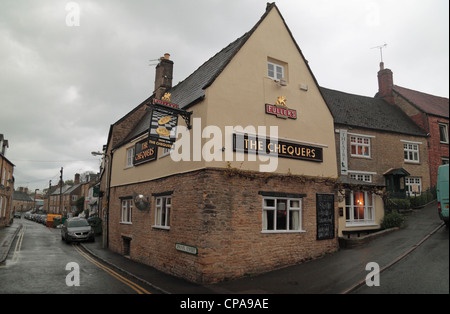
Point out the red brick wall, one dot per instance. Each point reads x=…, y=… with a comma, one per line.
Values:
x=221, y=215
x=436, y=149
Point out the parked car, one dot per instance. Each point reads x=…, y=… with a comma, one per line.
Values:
x=442, y=190
x=17, y=215
x=76, y=230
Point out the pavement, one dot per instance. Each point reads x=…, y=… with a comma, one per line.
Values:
x=338, y=273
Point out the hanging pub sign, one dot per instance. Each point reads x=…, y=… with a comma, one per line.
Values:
x=281, y=110
x=144, y=151
x=246, y=143
x=164, y=121
x=163, y=127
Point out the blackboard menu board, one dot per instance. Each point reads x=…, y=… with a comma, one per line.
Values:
x=325, y=216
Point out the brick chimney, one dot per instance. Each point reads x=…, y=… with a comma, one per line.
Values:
x=77, y=178
x=385, y=84
x=163, y=76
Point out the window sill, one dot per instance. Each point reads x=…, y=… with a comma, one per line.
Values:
x=126, y=223
x=283, y=231
x=360, y=224
x=160, y=227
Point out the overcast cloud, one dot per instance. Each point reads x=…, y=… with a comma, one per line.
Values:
x=61, y=87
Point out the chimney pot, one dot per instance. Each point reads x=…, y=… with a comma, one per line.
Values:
x=167, y=56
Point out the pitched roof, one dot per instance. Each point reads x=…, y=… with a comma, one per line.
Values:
x=21, y=196
x=427, y=103
x=192, y=89
x=369, y=113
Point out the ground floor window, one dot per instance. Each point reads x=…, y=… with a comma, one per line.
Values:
x=413, y=186
x=359, y=208
x=127, y=207
x=162, y=212
x=281, y=214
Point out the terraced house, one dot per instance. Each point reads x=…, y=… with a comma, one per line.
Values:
x=373, y=140
x=6, y=183
x=249, y=184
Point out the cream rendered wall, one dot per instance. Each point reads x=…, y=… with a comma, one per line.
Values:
x=238, y=97
x=379, y=215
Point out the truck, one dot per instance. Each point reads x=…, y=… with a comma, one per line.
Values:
x=442, y=193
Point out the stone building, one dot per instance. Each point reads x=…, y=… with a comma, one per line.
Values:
x=429, y=112
x=249, y=185
x=371, y=136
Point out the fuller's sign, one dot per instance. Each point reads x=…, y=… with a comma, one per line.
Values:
x=276, y=148
x=281, y=110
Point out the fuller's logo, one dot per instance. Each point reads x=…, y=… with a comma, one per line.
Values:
x=281, y=110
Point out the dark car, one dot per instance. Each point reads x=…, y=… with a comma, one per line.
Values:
x=77, y=230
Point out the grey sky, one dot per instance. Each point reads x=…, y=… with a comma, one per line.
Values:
x=62, y=87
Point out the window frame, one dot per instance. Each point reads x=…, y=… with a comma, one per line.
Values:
x=163, y=208
x=361, y=145
x=126, y=211
x=275, y=66
x=409, y=150
x=413, y=181
x=129, y=157
x=444, y=133
x=368, y=209
x=289, y=209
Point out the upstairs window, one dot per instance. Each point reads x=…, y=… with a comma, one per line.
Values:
x=275, y=71
x=411, y=152
x=130, y=157
x=360, y=146
x=443, y=133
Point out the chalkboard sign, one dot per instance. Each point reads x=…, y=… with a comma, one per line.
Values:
x=325, y=216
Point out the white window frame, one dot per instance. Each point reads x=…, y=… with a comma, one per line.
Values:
x=410, y=182
x=276, y=67
x=411, y=152
x=130, y=157
x=445, y=133
x=364, y=177
x=360, y=143
x=293, y=205
x=163, y=211
x=126, y=211
x=368, y=208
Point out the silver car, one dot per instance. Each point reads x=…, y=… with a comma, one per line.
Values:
x=77, y=230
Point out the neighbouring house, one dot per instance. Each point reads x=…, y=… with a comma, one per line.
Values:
x=373, y=156
x=429, y=112
x=6, y=183
x=22, y=201
x=249, y=185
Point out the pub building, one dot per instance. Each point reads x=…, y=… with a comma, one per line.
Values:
x=265, y=199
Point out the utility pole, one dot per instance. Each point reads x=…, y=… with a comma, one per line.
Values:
x=48, y=198
x=60, y=191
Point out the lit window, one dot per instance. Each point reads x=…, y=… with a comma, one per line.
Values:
x=359, y=208
x=360, y=146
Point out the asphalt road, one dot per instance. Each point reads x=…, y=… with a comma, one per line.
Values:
x=424, y=271
x=39, y=262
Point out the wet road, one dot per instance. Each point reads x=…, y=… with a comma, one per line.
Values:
x=40, y=262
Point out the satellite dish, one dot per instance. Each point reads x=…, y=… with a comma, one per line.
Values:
x=141, y=201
